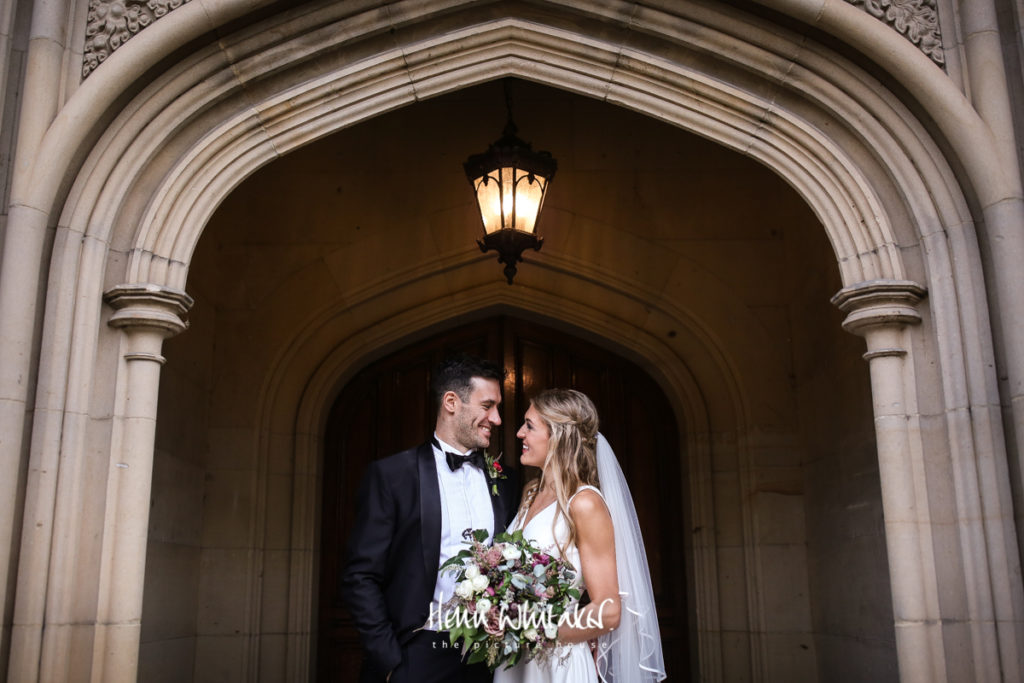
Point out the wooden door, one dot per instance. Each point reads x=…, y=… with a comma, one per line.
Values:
x=386, y=408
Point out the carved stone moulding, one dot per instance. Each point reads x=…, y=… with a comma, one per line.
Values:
x=917, y=20
x=110, y=23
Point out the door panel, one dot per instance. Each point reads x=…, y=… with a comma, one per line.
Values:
x=386, y=408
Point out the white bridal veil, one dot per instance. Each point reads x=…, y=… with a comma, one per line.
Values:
x=632, y=652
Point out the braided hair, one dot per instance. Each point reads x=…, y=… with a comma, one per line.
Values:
x=572, y=423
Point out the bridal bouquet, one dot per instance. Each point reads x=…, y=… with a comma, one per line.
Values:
x=509, y=599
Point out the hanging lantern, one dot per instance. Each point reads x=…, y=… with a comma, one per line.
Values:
x=510, y=181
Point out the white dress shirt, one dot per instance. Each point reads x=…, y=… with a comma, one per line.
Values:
x=465, y=504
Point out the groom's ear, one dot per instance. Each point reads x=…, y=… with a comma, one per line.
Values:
x=450, y=402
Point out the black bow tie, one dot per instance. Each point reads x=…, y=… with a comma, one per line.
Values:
x=455, y=461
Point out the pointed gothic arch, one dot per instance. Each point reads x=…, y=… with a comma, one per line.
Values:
x=896, y=214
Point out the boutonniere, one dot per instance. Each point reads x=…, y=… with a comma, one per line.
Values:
x=494, y=471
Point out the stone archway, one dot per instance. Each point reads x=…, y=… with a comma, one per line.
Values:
x=308, y=331
x=153, y=177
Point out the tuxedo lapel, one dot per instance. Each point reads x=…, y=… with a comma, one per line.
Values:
x=430, y=509
x=497, y=502
x=506, y=502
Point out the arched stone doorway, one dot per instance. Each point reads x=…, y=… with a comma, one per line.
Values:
x=384, y=409
x=296, y=292
x=153, y=171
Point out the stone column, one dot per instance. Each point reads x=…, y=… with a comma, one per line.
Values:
x=147, y=314
x=24, y=258
x=881, y=311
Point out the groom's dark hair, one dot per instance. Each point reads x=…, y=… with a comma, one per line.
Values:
x=456, y=373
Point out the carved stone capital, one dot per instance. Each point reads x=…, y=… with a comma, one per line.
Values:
x=149, y=306
x=879, y=303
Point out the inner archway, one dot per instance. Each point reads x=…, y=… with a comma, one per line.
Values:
x=384, y=409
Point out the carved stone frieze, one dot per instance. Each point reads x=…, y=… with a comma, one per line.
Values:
x=110, y=23
x=918, y=20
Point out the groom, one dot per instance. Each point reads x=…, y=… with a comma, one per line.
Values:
x=412, y=510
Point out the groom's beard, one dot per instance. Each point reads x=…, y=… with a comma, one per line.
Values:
x=470, y=434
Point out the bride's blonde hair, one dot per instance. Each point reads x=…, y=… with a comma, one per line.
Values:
x=572, y=423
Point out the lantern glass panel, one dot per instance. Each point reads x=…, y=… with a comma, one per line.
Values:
x=529, y=195
x=509, y=199
x=488, y=197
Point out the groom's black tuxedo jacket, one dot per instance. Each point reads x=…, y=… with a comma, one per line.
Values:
x=394, y=550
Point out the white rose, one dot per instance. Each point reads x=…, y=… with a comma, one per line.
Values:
x=510, y=552
x=531, y=634
x=480, y=583
x=464, y=589
x=483, y=606
x=472, y=571
x=551, y=631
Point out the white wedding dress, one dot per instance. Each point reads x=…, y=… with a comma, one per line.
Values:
x=571, y=663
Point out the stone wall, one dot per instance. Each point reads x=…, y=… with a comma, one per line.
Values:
x=846, y=555
x=175, y=554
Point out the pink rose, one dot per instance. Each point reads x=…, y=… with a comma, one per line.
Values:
x=492, y=624
x=493, y=557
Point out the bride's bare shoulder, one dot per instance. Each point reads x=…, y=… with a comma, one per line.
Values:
x=587, y=503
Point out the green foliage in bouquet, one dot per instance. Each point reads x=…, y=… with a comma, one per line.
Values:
x=509, y=599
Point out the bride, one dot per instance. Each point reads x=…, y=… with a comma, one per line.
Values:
x=580, y=509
